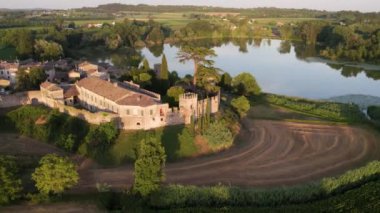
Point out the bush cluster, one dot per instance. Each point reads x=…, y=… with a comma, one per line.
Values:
x=50, y=126
x=178, y=196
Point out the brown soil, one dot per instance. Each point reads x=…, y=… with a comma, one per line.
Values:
x=20, y=145
x=56, y=207
x=266, y=153
x=202, y=146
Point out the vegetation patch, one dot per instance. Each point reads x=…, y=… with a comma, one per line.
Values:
x=338, y=112
x=177, y=196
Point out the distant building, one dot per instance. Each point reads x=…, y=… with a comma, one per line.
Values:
x=74, y=75
x=8, y=71
x=132, y=107
x=88, y=69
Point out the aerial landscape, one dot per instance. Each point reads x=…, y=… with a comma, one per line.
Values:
x=189, y=106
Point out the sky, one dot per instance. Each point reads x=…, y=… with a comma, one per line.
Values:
x=330, y=5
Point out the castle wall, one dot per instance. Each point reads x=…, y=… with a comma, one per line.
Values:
x=20, y=98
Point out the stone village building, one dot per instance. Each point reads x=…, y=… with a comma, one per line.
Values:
x=129, y=106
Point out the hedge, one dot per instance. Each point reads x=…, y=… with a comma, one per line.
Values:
x=178, y=196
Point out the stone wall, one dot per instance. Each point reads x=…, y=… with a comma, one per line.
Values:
x=20, y=98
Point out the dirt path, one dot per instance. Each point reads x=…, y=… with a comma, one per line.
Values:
x=268, y=153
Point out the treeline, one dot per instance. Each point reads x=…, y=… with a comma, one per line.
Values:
x=359, y=41
x=263, y=12
x=55, y=41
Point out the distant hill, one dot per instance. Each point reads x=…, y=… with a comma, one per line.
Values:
x=363, y=101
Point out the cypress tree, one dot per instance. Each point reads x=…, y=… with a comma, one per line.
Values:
x=146, y=66
x=164, y=73
x=149, y=167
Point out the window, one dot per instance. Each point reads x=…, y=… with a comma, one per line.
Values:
x=127, y=111
x=138, y=124
x=151, y=112
x=142, y=112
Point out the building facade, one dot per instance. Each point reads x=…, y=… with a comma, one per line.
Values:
x=132, y=107
x=8, y=71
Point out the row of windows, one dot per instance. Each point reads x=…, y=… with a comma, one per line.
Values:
x=2, y=72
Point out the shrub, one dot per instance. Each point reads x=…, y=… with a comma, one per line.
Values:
x=241, y=105
x=10, y=185
x=218, y=135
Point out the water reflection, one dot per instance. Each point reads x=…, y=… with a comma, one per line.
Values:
x=281, y=67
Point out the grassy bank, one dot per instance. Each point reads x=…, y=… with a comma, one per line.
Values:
x=177, y=143
x=330, y=111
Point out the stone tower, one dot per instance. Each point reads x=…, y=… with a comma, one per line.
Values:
x=188, y=104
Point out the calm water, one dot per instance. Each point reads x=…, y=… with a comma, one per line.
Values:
x=287, y=73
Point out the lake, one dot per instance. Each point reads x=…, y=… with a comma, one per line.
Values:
x=285, y=68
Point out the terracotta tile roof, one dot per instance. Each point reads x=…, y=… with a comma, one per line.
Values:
x=50, y=86
x=9, y=66
x=115, y=93
x=137, y=100
x=70, y=92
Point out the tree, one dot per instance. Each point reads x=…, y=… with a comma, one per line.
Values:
x=24, y=45
x=71, y=25
x=173, y=93
x=226, y=81
x=164, y=72
x=198, y=55
x=241, y=105
x=149, y=167
x=47, y=50
x=208, y=79
x=101, y=137
x=31, y=80
x=36, y=76
x=245, y=84
x=55, y=174
x=10, y=185
x=146, y=66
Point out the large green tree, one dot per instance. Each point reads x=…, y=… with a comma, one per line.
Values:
x=208, y=78
x=100, y=137
x=31, y=79
x=199, y=55
x=55, y=174
x=245, y=84
x=149, y=167
x=47, y=50
x=10, y=185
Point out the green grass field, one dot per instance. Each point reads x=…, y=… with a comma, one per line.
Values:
x=126, y=145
